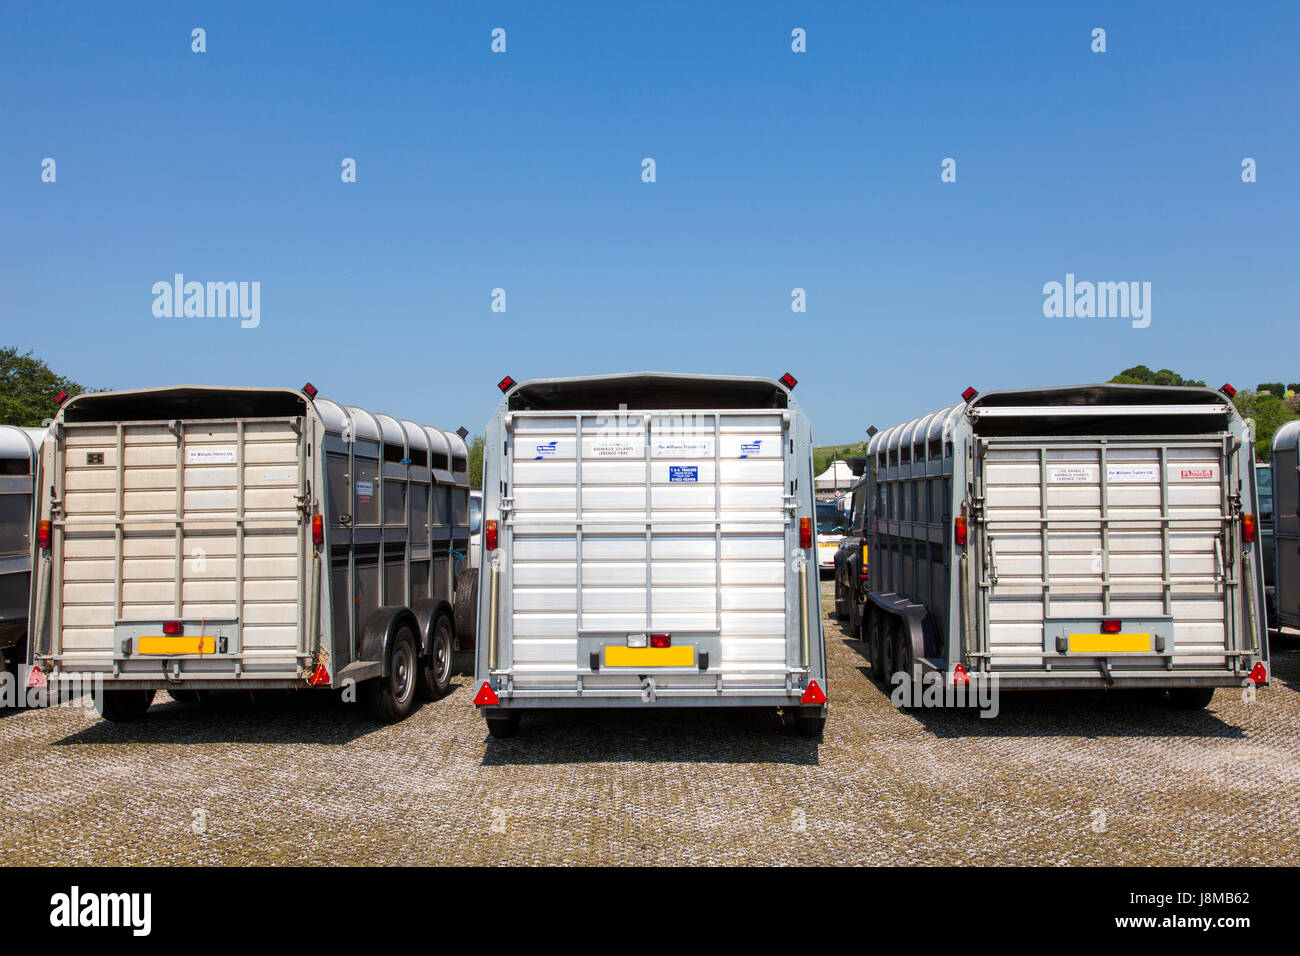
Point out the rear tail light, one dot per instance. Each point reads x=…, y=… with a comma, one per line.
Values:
x=173, y=628
x=959, y=531
x=969, y=393
x=486, y=696
x=661, y=640
x=43, y=534
x=506, y=384
x=317, y=529
x=789, y=381
x=1249, y=528
x=60, y=398
x=805, y=532
x=862, y=571
x=309, y=390
x=1228, y=390
x=1111, y=626
x=490, y=534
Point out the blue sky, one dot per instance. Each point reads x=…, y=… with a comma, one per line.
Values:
x=775, y=170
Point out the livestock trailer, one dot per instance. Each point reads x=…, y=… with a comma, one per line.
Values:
x=1286, y=524
x=197, y=539
x=1083, y=537
x=649, y=542
x=17, y=479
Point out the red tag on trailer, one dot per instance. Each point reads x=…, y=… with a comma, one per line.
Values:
x=1259, y=674
x=959, y=675
x=320, y=677
x=35, y=677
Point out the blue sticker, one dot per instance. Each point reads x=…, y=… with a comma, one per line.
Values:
x=683, y=472
x=545, y=451
x=751, y=448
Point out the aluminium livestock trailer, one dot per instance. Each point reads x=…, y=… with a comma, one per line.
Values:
x=648, y=542
x=17, y=479
x=195, y=539
x=1286, y=524
x=1087, y=536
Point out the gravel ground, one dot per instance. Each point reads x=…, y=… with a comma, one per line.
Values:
x=1067, y=779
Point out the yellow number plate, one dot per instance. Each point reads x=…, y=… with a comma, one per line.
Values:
x=650, y=656
x=1109, y=643
x=176, y=645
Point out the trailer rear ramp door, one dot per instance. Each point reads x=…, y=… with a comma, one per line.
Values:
x=1119, y=551
x=679, y=524
x=195, y=521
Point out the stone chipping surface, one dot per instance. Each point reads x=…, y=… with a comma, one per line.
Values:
x=1066, y=778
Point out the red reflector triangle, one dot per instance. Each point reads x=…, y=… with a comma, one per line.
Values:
x=813, y=695
x=321, y=676
x=35, y=677
x=1259, y=674
x=486, y=696
x=959, y=675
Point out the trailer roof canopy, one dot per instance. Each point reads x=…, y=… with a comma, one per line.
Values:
x=185, y=401
x=647, y=390
x=1101, y=410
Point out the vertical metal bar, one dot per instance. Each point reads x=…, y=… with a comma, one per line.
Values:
x=647, y=424
x=1228, y=461
x=1045, y=542
x=717, y=524
x=241, y=460
x=180, y=517
x=119, y=544
x=1104, y=489
x=577, y=537
x=1166, y=568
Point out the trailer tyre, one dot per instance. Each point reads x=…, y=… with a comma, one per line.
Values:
x=186, y=696
x=122, y=705
x=391, y=698
x=1189, y=698
x=810, y=726
x=435, y=670
x=840, y=613
x=504, y=725
x=466, y=607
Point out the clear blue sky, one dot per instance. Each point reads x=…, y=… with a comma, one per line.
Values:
x=775, y=170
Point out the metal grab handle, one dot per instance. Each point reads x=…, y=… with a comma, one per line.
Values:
x=993, y=562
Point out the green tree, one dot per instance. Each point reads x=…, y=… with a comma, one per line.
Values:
x=1275, y=388
x=476, y=462
x=1269, y=413
x=28, y=388
x=1141, y=375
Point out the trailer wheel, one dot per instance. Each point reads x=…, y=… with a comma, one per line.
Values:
x=1189, y=698
x=840, y=613
x=903, y=659
x=391, y=698
x=186, y=696
x=435, y=670
x=810, y=726
x=879, y=646
x=503, y=725
x=122, y=705
x=466, y=607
